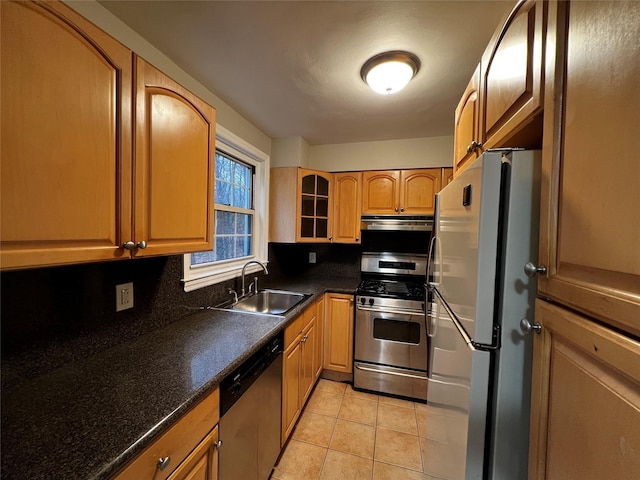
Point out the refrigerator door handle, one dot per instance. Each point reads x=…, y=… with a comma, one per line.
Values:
x=495, y=337
x=430, y=263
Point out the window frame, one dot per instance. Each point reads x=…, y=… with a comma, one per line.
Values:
x=200, y=276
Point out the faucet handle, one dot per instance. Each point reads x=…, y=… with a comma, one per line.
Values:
x=235, y=295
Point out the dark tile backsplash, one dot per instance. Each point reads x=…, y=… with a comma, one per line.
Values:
x=53, y=316
x=332, y=260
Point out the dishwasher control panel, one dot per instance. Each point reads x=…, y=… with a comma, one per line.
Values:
x=237, y=382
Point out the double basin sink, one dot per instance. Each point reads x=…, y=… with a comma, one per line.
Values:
x=266, y=302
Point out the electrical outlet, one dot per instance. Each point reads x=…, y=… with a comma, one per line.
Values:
x=124, y=296
x=312, y=257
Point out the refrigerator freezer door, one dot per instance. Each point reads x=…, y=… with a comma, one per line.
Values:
x=467, y=232
x=459, y=385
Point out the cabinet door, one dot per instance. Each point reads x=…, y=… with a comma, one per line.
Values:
x=65, y=138
x=590, y=215
x=319, y=349
x=291, y=365
x=511, y=79
x=418, y=190
x=466, y=136
x=338, y=353
x=380, y=191
x=347, y=204
x=202, y=463
x=447, y=177
x=174, y=164
x=585, y=412
x=314, y=206
x=307, y=370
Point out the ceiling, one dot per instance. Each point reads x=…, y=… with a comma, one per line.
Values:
x=292, y=68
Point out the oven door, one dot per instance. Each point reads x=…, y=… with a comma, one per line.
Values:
x=391, y=336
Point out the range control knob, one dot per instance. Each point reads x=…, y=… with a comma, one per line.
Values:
x=371, y=301
x=363, y=300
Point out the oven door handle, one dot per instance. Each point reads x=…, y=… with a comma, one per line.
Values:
x=389, y=372
x=399, y=311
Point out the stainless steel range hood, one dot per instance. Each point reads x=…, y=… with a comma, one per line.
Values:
x=397, y=222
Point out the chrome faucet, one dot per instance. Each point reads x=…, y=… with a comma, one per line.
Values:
x=245, y=267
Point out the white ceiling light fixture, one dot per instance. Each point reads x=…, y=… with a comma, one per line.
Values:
x=390, y=72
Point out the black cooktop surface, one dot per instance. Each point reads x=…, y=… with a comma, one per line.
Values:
x=391, y=289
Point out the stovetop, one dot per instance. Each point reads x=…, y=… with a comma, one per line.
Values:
x=391, y=289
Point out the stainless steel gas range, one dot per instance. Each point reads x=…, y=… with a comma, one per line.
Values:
x=390, y=336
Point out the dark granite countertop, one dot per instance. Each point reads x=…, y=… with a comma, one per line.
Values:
x=87, y=419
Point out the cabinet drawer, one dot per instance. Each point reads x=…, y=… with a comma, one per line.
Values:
x=176, y=443
x=293, y=331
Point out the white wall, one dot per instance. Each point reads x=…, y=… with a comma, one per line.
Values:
x=225, y=115
x=289, y=152
x=410, y=153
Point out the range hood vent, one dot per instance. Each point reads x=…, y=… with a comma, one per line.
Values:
x=397, y=222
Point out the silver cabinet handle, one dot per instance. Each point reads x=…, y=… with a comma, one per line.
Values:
x=218, y=444
x=129, y=245
x=163, y=463
x=527, y=327
x=531, y=270
x=142, y=244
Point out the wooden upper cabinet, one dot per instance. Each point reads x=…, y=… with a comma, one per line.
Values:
x=406, y=192
x=67, y=188
x=380, y=191
x=447, y=177
x=300, y=207
x=590, y=215
x=66, y=138
x=174, y=166
x=466, y=134
x=418, y=190
x=347, y=205
x=511, y=80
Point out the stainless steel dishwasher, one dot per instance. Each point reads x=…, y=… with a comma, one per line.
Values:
x=250, y=405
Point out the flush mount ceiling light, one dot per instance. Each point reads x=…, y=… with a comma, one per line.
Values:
x=389, y=72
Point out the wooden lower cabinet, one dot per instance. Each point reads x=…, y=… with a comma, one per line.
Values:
x=585, y=406
x=338, y=344
x=190, y=445
x=202, y=463
x=302, y=338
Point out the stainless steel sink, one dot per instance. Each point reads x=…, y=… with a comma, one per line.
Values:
x=267, y=302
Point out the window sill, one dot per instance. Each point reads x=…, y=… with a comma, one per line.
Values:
x=228, y=272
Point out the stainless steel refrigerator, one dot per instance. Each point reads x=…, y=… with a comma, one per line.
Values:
x=479, y=372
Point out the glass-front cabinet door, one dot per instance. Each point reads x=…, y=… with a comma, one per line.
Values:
x=314, y=188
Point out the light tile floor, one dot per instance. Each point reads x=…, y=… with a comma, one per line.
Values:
x=345, y=434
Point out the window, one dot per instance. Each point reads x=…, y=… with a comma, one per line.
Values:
x=240, y=204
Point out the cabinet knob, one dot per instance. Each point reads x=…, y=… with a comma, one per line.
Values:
x=142, y=244
x=396, y=209
x=129, y=245
x=473, y=146
x=527, y=327
x=531, y=270
x=402, y=209
x=218, y=444
x=163, y=462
